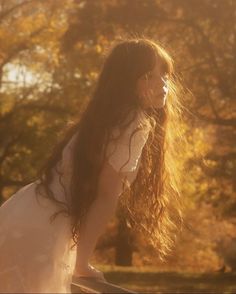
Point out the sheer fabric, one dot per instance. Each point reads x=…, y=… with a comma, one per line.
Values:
x=124, y=154
x=35, y=255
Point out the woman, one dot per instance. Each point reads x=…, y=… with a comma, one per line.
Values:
x=118, y=150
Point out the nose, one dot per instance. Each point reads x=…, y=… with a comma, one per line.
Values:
x=164, y=84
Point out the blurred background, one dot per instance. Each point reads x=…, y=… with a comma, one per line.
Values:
x=50, y=56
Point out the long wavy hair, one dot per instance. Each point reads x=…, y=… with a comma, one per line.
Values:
x=152, y=204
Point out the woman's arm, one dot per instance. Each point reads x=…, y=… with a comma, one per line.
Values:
x=109, y=188
x=100, y=212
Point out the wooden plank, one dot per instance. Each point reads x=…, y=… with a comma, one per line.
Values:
x=92, y=285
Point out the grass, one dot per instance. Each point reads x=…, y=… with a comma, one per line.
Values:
x=148, y=280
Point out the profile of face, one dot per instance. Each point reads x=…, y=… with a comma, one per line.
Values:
x=152, y=88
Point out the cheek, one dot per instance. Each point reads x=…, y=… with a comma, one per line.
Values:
x=147, y=90
x=152, y=89
x=142, y=87
x=156, y=86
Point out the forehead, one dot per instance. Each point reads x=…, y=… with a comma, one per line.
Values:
x=158, y=68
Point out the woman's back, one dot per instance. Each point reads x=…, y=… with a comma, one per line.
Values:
x=35, y=254
x=30, y=246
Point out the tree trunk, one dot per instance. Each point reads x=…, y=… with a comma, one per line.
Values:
x=123, y=247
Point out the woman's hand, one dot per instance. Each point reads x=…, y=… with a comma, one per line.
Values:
x=98, y=215
x=88, y=271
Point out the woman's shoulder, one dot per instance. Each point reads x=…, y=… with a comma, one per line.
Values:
x=142, y=121
x=127, y=147
x=136, y=120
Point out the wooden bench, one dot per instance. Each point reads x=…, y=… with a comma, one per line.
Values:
x=92, y=285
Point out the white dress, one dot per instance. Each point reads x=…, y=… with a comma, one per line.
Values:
x=35, y=255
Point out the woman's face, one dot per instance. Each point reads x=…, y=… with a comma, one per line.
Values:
x=152, y=88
